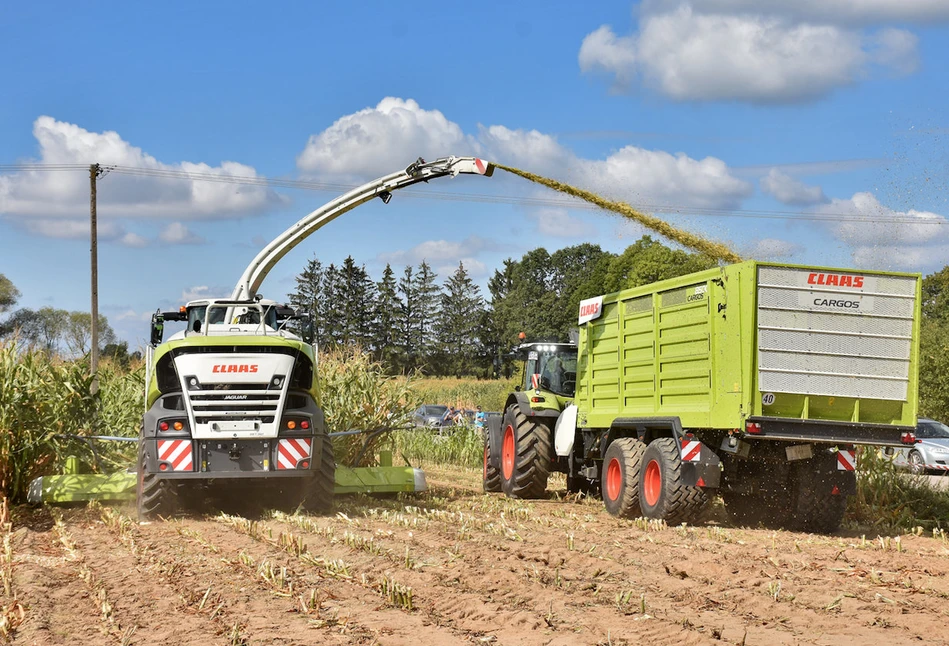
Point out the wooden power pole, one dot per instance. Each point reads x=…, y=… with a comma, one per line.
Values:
x=94, y=252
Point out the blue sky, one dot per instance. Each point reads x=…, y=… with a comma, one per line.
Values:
x=808, y=132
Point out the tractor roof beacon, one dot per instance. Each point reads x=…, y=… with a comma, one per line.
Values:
x=230, y=401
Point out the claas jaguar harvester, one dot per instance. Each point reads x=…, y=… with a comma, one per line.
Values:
x=231, y=399
x=756, y=381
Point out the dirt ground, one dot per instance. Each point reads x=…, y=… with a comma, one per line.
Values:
x=456, y=566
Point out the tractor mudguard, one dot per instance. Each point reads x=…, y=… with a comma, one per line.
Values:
x=523, y=402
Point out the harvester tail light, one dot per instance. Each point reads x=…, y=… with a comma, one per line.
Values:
x=303, y=464
x=754, y=428
x=163, y=426
x=179, y=426
x=305, y=424
x=908, y=438
x=291, y=425
x=537, y=400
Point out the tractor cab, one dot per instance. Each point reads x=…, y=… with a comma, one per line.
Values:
x=550, y=366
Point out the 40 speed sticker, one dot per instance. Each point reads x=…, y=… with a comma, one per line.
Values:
x=767, y=399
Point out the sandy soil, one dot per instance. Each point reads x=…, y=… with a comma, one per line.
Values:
x=456, y=566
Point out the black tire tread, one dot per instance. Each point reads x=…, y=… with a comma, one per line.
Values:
x=320, y=488
x=684, y=503
x=491, y=475
x=631, y=451
x=532, y=463
x=156, y=496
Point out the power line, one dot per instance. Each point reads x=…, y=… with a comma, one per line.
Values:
x=261, y=181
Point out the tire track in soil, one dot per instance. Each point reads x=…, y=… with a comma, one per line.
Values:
x=143, y=590
x=663, y=568
x=360, y=613
x=47, y=583
x=498, y=601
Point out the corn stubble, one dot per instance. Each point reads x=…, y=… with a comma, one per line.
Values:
x=715, y=250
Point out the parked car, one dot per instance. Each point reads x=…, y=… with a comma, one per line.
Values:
x=931, y=453
x=429, y=416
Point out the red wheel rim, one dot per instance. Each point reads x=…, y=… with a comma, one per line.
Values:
x=614, y=479
x=652, y=483
x=507, y=453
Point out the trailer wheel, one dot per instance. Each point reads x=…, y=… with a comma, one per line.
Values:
x=661, y=492
x=490, y=475
x=525, y=455
x=319, y=493
x=620, y=478
x=155, y=497
x=817, y=504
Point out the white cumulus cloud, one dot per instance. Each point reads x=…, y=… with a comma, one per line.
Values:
x=743, y=53
x=858, y=12
x=65, y=194
x=788, y=190
x=444, y=255
x=882, y=237
x=178, y=233
x=374, y=141
x=558, y=223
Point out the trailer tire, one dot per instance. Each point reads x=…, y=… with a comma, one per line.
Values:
x=525, y=455
x=619, y=485
x=662, y=495
x=816, y=508
x=154, y=496
x=319, y=492
x=490, y=475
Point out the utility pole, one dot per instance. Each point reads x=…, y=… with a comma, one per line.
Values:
x=94, y=252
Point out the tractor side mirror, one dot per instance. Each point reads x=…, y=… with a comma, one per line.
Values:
x=306, y=330
x=158, y=328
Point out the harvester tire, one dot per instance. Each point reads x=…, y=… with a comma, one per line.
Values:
x=319, y=493
x=525, y=455
x=620, y=478
x=155, y=496
x=490, y=475
x=662, y=494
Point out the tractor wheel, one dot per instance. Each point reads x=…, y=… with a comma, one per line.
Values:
x=620, y=478
x=817, y=505
x=661, y=492
x=525, y=455
x=490, y=475
x=319, y=493
x=155, y=497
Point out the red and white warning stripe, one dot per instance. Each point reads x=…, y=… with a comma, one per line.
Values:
x=177, y=453
x=846, y=460
x=290, y=452
x=937, y=467
x=535, y=381
x=691, y=450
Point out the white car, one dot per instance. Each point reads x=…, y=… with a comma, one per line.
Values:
x=931, y=453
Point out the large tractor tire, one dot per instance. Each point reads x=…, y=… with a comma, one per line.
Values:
x=319, y=493
x=662, y=495
x=490, y=475
x=619, y=484
x=817, y=504
x=155, y=497
x=525, y=455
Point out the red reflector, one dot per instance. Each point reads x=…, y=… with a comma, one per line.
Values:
x=304, y=464
x=753, y=427
x=163, y=466
x=537, y=399
x=908, y=438
x=305, y=424
x=835, y=491
x=163, y=426
x=700, y=482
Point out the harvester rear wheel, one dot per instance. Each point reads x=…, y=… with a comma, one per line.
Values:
x=662, y=494
x=620, y=478
x=490, y=475
x=320, y=487
x=155, y=497
x=525, y=455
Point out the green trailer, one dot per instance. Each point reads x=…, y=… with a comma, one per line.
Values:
x=755, y=380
